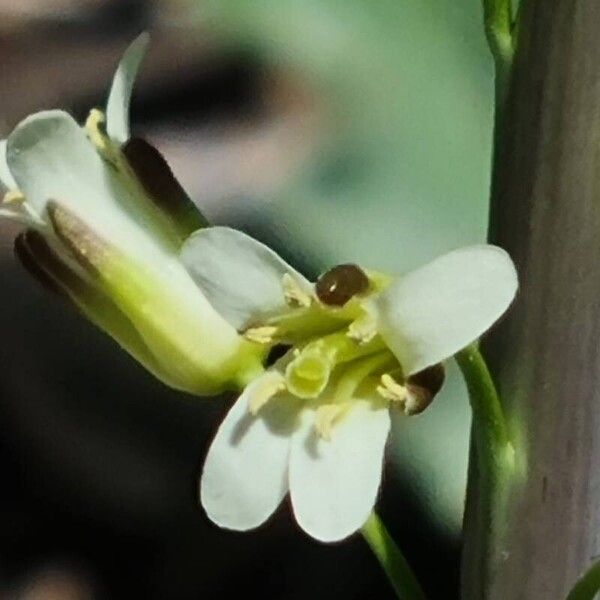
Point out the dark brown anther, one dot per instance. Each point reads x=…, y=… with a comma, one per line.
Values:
x=161, y=185
x=422, y=388
x=338, y=285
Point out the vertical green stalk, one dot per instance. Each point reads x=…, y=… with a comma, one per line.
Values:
x=390, y=557
x=499, y=30
x=495, y=453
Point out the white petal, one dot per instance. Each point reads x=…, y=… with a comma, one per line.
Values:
x=433, y=312
x=7, y=181
x=334, y=483
x=240, y=276
x=245, y=473
x=51, y=158
x=117, y=107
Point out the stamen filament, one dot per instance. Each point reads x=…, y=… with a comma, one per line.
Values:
x=354, y=375
x=391, y=390
x=265, y=389
x=329, y=414
x=326, y=417
x=363, y=329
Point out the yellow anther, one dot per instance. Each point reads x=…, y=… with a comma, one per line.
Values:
x=261, y=335
x=326, y=417
x=293, y=293
x=391, y=390
x=363, y=329
x=270, y=385
x=94, y=126
x=13, y=198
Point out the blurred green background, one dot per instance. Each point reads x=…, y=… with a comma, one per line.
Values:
x=333, y=130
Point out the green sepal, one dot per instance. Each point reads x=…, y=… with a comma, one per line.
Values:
x=45, y=265
x=187, y=338
x=158, y=181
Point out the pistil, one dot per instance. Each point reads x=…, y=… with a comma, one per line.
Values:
x=308, y=374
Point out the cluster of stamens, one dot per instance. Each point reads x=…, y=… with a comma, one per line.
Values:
x=336, y=351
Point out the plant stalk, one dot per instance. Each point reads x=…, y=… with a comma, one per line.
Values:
x=391, y=559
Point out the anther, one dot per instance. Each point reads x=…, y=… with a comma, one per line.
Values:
x=338, y=285
x=95, y=128
x=261, y=335
x=294, y=294
x=363, y=329
x=422, y=388
x=13, y=198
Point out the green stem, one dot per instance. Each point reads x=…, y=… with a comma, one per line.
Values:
x=495, y=453
x=491, y=432
x=498, y=23
x=499, y=31
x=588, y=586
x=390, y=557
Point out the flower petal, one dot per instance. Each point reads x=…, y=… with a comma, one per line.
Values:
x=119, y=98
x=334, y=483
x=240, y=276
x=7, y=181
x=51, y=159
x=433, y=312
x=111, y=236
x=245, y=474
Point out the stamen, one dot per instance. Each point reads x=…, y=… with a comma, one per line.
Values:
x=326, y=417
x=266, y=388
x=422, y=388
x=391, y=390
x=14, y=206
x=418, y=391
x=355, y=374
x=340, y=284
x=95, y=128
x=261, y=335
x=294, y=295
x=350, y=380
x=363, y=329
x=13, y=198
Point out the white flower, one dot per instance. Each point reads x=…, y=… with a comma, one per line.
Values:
x=360, y=344
x=105, y=221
